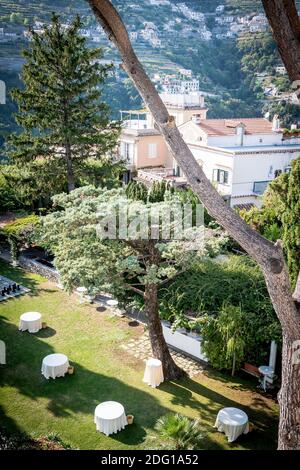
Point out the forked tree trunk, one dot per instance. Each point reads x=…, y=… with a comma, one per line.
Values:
x=159, y=347
x=268, y=256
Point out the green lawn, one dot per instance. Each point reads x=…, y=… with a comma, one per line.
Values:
x=92, y=339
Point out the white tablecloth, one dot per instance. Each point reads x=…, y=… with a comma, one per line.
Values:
x=153, y=372
x=31, y=321
x=233, y=422
x=55, y=365
x=110, y=417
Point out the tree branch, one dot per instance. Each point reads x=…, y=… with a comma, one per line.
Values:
x=284, y=21
x=268, y=256
x=135, y=289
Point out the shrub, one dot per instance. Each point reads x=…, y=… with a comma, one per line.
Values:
x=183, y=432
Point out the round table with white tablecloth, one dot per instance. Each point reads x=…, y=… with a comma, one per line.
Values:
x=110, y=417
x=55, y=365
x=233, y=422
x=153, y=373
x=266, y=372
x=31, y=321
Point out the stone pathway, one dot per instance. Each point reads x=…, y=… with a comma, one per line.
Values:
x=141, y=349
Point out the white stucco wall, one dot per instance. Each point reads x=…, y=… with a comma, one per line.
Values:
x=212, y=160
x=248, y=140
x=250, y=168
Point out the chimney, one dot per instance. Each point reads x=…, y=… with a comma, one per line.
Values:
x=196, y=118
x=275, y=123
x=240, y=132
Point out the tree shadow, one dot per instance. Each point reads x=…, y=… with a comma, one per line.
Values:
x=79, y=393
x=101, y=309
x=46, y=332
x=189, y=393
x=18, y=276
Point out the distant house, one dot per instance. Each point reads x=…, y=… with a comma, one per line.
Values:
x=239, y=156
x=177, y=86
x=133, y=35
x=186, y=72
x=281, y=69
x=155, y=42
x=141, y=145
x=220, y=8
x=206, y=35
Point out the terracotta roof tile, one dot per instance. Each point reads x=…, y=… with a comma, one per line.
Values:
x=228, y=126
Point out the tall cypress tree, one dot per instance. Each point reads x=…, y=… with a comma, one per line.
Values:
x=64, y=124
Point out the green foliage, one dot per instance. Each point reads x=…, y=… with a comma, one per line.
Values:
x=83, y=257
x=21, y=226
x=184, y=433
x=291, y=222
x=289, y=112
x=8, y=199
x=64, y=123
x=158, y=190
x=137, y=191
x=224, y=337
x=18, y=232
x=208, y=287
x=280, y=214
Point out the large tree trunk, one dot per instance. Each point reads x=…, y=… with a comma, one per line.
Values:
x=268, y=256
x=284, y=21
x=289, y=396
x=159, y=347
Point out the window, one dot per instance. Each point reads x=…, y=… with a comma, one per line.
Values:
x=220, y=176
x=259, y=187
x=127, y=151
x=152, y=150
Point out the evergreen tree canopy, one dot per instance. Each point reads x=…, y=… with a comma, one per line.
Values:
x=63, y=121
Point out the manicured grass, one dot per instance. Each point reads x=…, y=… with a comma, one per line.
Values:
x=92, y=339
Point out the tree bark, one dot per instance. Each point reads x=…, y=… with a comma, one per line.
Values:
x=268, y=256
x=159, y=346
x=70, y=171
x=284, y=21
x=289, y=395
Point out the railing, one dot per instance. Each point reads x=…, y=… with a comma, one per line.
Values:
x=156, y=175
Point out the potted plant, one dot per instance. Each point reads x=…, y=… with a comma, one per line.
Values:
x=130, y=419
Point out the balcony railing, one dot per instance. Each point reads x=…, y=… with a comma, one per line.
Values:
x=159, y=174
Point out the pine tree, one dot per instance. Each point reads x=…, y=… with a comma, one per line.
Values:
x=64, y=123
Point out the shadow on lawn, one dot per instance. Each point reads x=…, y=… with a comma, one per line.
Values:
x=78, y=393
x=82, y=392
x=18, y=275
x=191, y=393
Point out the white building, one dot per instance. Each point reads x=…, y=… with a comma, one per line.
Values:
x=178, y=86
x=240, y=156
x=133, y=35
x=220, y=8
x=186, y=72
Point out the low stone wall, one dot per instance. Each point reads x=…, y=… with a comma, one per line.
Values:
x=38, y=268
